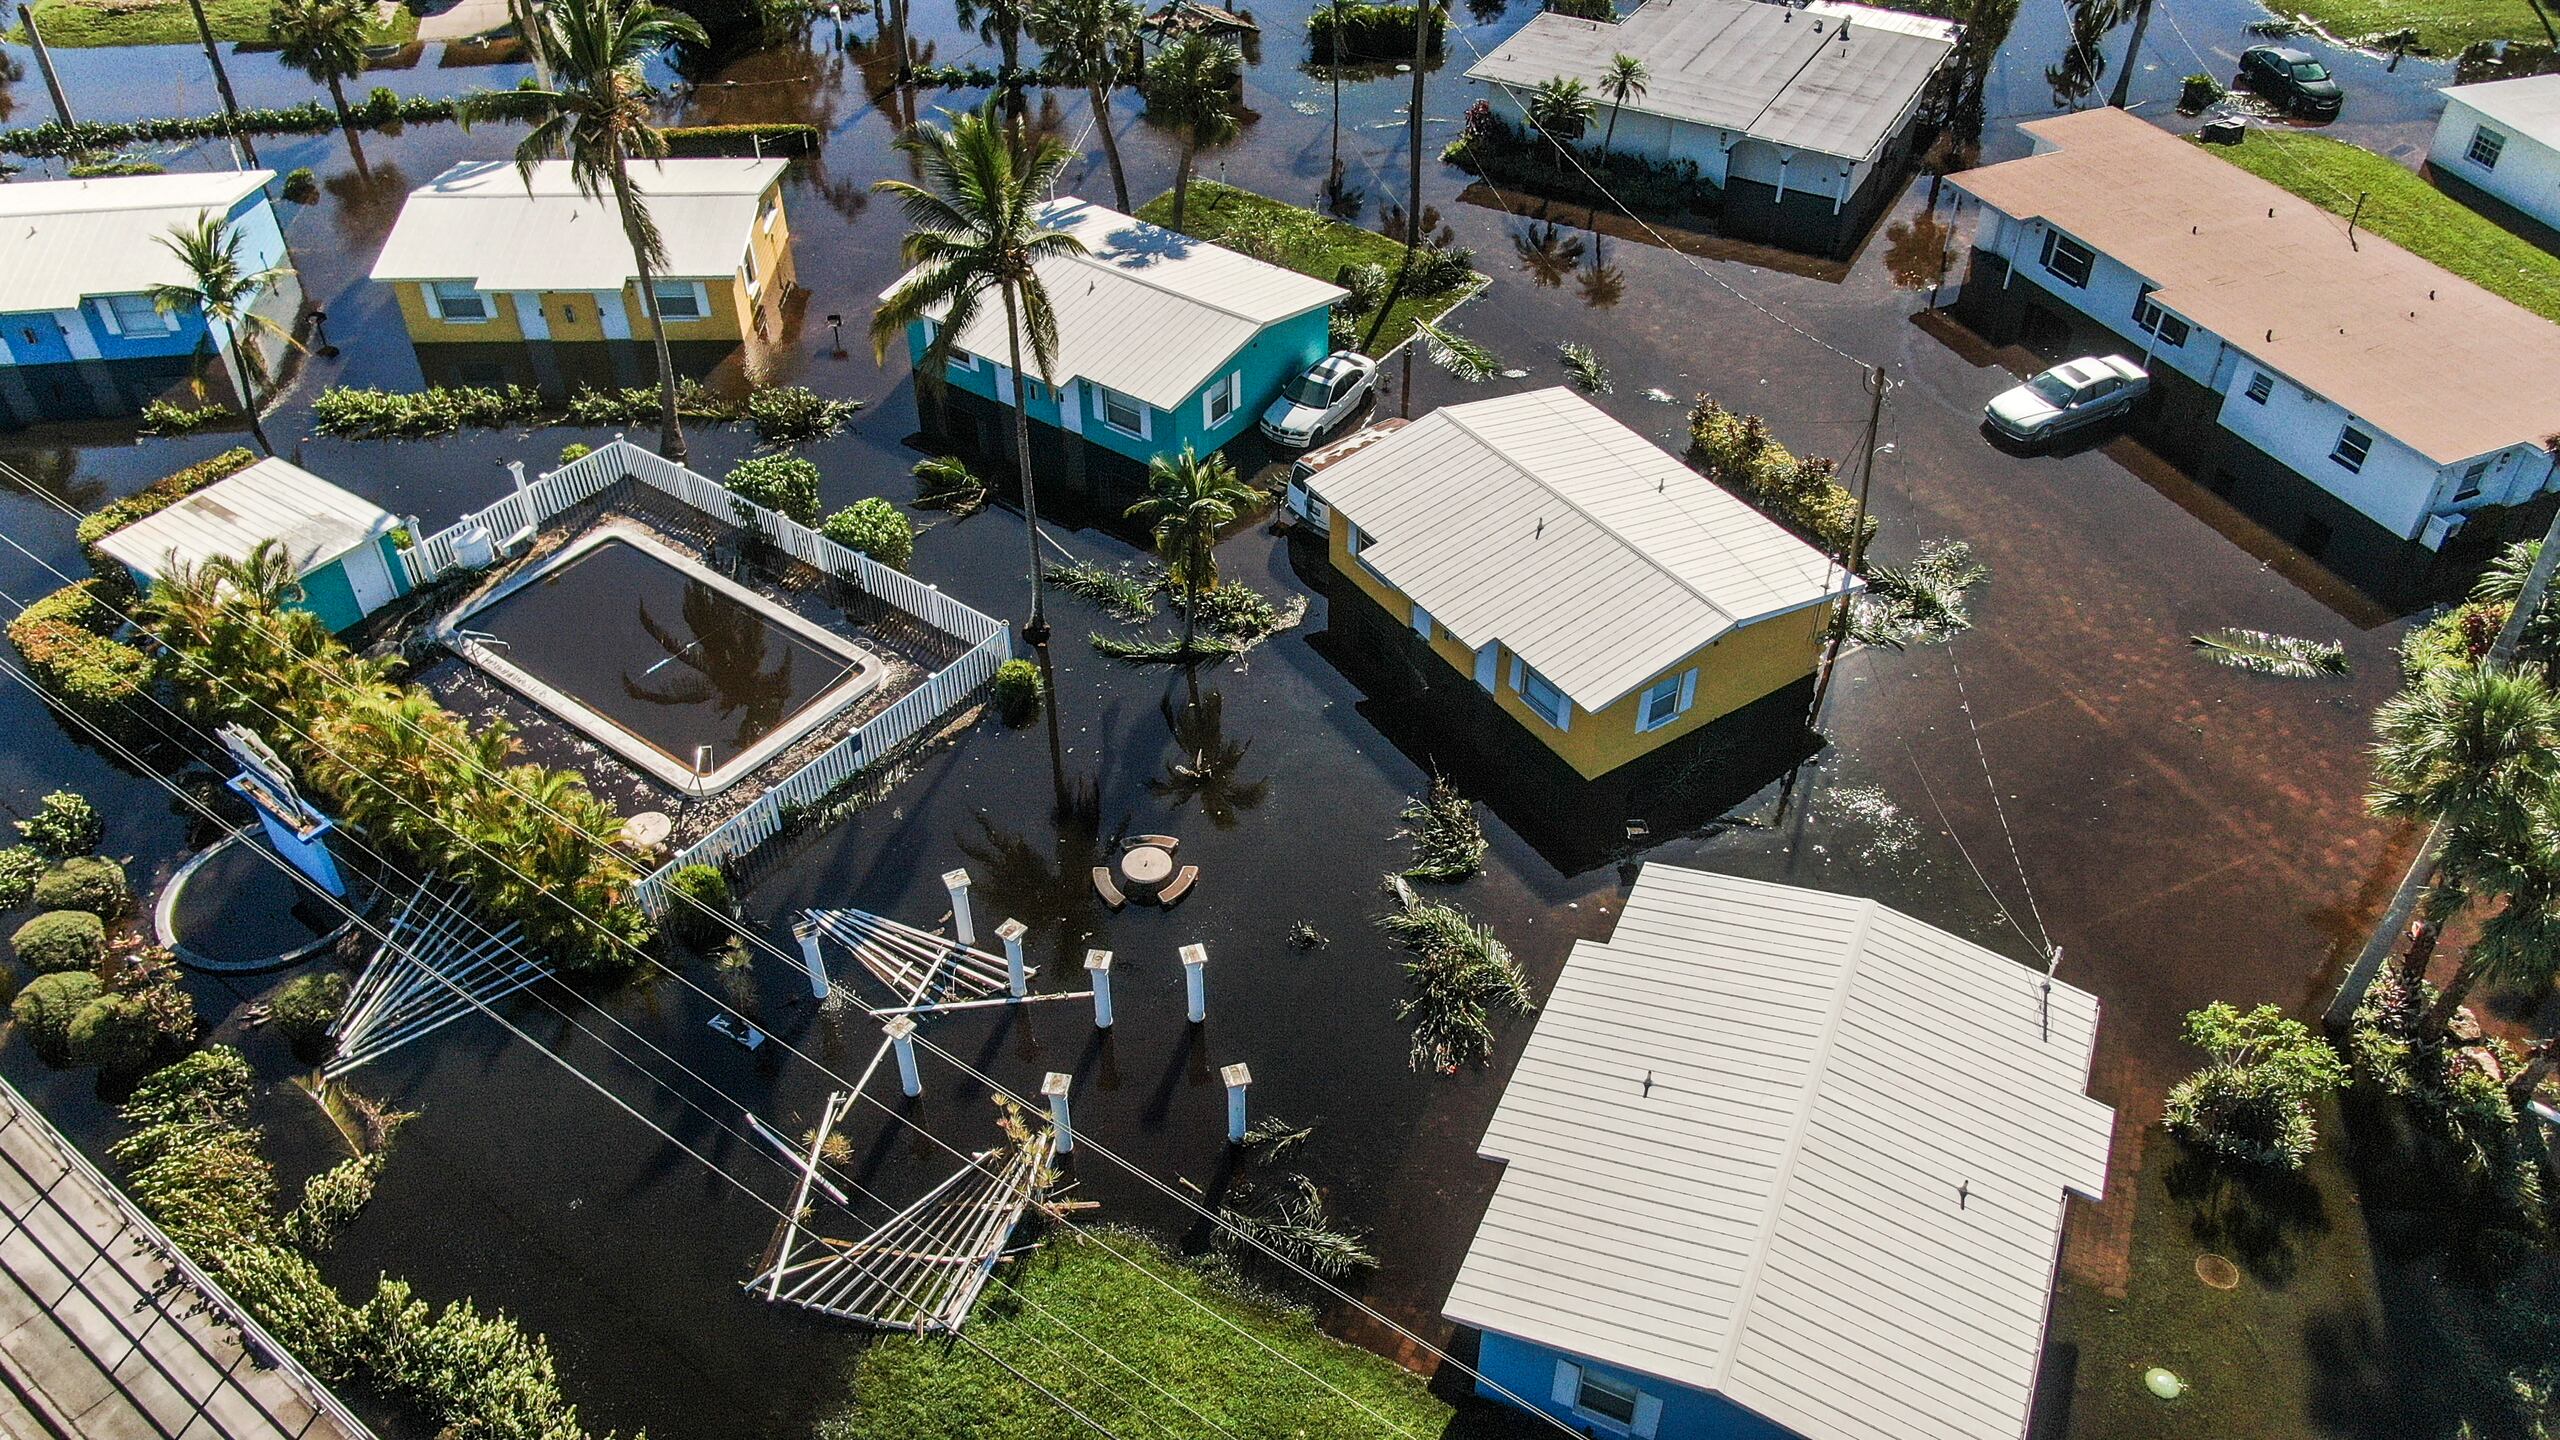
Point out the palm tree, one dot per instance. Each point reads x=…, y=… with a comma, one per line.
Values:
x=598, y=116
x=1190, y=86
x=1560, y=107
x=2520, y=944
x=324, y=39
x=1621, y=82
x=1189, y=500
x=1085, y=40
x=221, y=83
x=979, y=225
x=221, y=287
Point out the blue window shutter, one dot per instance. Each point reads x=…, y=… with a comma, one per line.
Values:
x=1688, y=690
x=1648, y=1415
x=1486, y=660
x=1568, y=1387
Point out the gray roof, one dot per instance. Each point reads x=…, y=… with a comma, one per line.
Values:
x=1781, y=75
x=1796, y=1149
x=62, y=241
x=272, y=500
x=486, y=223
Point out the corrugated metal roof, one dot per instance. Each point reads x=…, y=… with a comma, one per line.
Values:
x=1767, y=70
x=1797, y=1149
x=2530, y=105
x=272, y=500
x=1147, y=311
x=1539, y=521
x=64, y=240
x=481, y=223
x=2439, y=364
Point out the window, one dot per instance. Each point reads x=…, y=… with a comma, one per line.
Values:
x=2469, y=489
x=678, y=300
x=1540, y=694
x=1220, y=402
x=1121, y=412
x=2067, y=260
x=457, y=300
x=1421, y=622
x=2261, y=385
x=2353, y=446
x=136, y=315
x=755, y=282
x=772, y=211
x=1666, y=700
x=2168, y=329
x=1611, y=1400
x=2486, y=145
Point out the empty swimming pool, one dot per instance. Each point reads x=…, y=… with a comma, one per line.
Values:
x=680, y=670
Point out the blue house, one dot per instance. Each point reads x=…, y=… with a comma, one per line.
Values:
x=1163, y=341
x=1783, y=1165
x=344, y=549
x=79, y=335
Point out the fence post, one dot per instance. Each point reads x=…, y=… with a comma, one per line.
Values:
x=1237, y=1078
x=1195, y=981
x=963, y=927
x=902, y=1037
x=1055, y=1087
x=1097, y=965
x=1015, y=977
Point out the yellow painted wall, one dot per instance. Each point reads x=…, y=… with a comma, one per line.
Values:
x=1743, y=666
x=426, y=329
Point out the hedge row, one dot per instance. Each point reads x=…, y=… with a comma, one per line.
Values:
x=379, y=110
x=150, y=500
x=64, y=640
x=741, y=139
x=1738, y=452
x=1342, y=33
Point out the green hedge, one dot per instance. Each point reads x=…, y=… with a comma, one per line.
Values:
x=150, y=500
x=62, y=641
x=369, y=414
x=379, y=110
x=92, y=883
x=1344, y=33
x=44, y=1009
x=60, y=940
x=741, y=139
x=1738, y=452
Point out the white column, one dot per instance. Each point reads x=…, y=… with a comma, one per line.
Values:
x=1097, y=969
x=1055, y=1087
x=807, y=935
x=902, y=1036
x=1195, y=981
x=1016, y=978
x=529, y=316
x=1237, y=1077
x=962, y=926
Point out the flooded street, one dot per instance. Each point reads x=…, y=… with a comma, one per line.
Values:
x=2069, y=773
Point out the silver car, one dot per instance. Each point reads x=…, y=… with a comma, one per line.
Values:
x=1320, y=399
x=2066, y=397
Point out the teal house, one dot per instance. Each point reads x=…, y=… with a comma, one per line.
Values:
x=344, y=548
x=1163, y=340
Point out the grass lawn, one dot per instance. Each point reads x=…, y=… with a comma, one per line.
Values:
x=1308, y=243
x=2445, y=27
x=2405, y=210
x=70, y=23
x=908, y=1389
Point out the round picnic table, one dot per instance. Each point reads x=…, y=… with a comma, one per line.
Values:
x=1147, y=866
x=648, y=830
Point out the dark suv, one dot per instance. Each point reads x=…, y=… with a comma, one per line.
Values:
x=2291, y=79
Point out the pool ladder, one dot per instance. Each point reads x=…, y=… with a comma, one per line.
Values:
x=482, y=637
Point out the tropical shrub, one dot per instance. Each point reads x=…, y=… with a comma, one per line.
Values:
x=638, y=405
x=2196, y=91
x=332, y=1199
x=575, y=451
x=19, y=867
x=795, y=414
x=307, y=1006
x=1342, y=33
x=150, y=979
x=371, y=414
x=111, y=169
x=1739, y=453
x=784, y=484
x=746, y=140
x=2465, y=1117
x=162, y=417
x=700, y=904
x=111, y=1032
x=45, y=1008
x=1017, y=691
x=876, y=528
x=301, y=186
x=60, y=940
x=2251, y=1105
x=381, y=109
x=945, y=482
x=64, y=825
x=63, y=638
x=91, y=883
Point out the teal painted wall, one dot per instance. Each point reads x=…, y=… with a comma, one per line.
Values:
x=326, y=593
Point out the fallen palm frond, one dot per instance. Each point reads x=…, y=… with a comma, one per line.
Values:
x=1303, y=936
x=1272, y=1137
x=2289, y=656
x=1922, y=603
x=1461, y=974
x=1126, y=593
x=1457, y=354
x=946, y=482
x=1448, y=840
x=1588, y=374
x=1288, y=1221
x=1236, y=611
x=1169, y=650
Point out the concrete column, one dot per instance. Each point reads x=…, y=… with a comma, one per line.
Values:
x=1016, y=978
x=1097, y=969
x=1238, y=1077
x=964, y=928
x=902, y=1035
x=807, y=935
x=1195, y=981
x=1055, y=1087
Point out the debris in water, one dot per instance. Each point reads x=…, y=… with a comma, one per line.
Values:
x=1922, y=603
x=1306, y=107
x=1660, y=396
x=1515, y=374
x=2290, y=656
x=1583, y=365
x=1891, y=833
x=1303, y=936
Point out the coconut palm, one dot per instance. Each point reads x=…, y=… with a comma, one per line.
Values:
x=1190, y=86
x=324, y=39
x=1621, y=82
x=598, y=116
x=1085, y=40
x=1189, y=500
x=222, y=288
x=2520, y=943
x=1560, y=107
x=2473, y=748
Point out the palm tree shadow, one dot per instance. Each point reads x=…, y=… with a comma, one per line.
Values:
x=1206, y=765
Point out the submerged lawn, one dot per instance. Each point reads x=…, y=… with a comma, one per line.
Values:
x=69, y=23
x=1215, y=212
x=2444, y=27
x=1075, y=1295
x=2407, y=211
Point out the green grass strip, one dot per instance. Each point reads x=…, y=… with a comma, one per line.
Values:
x=75, y=24
x=1215, y=211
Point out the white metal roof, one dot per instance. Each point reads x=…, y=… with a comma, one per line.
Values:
x=1797, y=1149
x=1147, y=311
x=2529, y=106
x=271, y=500
x=1771, y=71
x=1539, y=521
x=480, y=222
x=64, y=240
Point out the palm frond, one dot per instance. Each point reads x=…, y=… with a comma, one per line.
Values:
x=2289, y=656
x=1457, y=354
x=1588, y=374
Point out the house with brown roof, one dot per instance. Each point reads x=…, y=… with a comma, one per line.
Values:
x=2286, y=349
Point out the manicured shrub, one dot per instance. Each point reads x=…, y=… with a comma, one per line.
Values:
x=2251, y=1105
x=307, y=1006
x=19, y=867
x=92, y=883
x=111, y=1032
x=1740, y=453
x=784, y=484
x=59, y=940
x=45, y=1008
x=301, y=186
x=63, y=640
x=112, y=169
x=741, y=140
x=574, y=451
x=1017, y=691
x=700, y=904
x=795, y=414
x=369, y=414
x=876, y=528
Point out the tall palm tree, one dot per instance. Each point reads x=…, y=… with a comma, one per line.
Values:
x=1085, y=40
x=221, y=287
x=978, y=226
x=598, y=116
x=1621, y=82
x=221, y=84
x=1427, y=16
x=1189, y=500
x=324, y=39
x=1560, y=107
x=1190, y=86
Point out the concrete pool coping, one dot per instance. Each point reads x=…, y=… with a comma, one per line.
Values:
x=864, y=669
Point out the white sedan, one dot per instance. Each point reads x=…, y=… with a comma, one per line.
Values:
x=2068, y=396
x=1320, y=399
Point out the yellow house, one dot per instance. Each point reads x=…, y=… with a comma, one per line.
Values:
x=483, y=255
x=1610, y=599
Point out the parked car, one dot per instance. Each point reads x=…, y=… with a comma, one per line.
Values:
x=2068, y=396
x=2292, y=79
x=1304, y=501
x=1320, y=399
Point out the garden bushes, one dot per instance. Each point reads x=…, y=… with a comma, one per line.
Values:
x=64, y=825
x=1341, y=33
x=60, y=940
x=796, y=414
x=381, y=109
x=19, y=867
x=45, y=1008
x=742, y=140
x=1738, y=452
x=64, y=640
x=369, y=414
x=784, y=484
x=92, y=884
x=307, y=1006
x=699, y=904
x=1017, y=691
x=876, y=528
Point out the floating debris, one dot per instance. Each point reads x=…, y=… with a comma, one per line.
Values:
x=1890, y=833
x=2288, y=656
x=1660, y=396
x=1303, y=936
x=1588, y=374
x=1459, y=355
x=1922, y=603
x=1515, y=374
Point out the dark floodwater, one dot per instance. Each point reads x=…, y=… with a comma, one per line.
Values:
x=239, y=910
x=2068, y=772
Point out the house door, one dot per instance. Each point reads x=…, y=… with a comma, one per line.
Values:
x=369, y=576
x=573, y=316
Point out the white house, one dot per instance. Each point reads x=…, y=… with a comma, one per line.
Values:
x=2503, y=139
x=1797, y=114
x=1783, y=1165
x=2405, y=394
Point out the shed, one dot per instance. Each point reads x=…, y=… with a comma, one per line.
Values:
x=341, y=545
x=1783, y=1163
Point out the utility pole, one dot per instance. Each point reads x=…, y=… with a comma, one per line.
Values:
x=1857, y=547
x=222, y=82
x=1423, y=10
x=2132, y=52
x=44, y=62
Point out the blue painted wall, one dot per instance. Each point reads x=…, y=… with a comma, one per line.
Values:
x=1529, y=1371
x=39, y=338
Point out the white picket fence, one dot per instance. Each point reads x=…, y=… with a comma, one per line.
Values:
x=990, y=640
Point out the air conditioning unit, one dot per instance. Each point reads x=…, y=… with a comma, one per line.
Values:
x=2441, y=528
